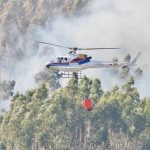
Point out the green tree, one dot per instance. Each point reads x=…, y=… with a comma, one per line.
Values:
x=39, y=120
x=85, y=87
x=6, y=89
x=96, y=90
x=127, y=58
x=48, y=77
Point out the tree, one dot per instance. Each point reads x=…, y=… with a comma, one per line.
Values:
x=147, y=110
x=138, y=73
x=127, y=58
x=96, y=90
x=6, y=89
x=85, y=86
x=39, y=120
x=49, y=78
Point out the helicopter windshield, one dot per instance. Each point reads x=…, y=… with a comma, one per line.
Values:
x=62, y=59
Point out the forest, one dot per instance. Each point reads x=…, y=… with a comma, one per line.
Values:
x=44, y=120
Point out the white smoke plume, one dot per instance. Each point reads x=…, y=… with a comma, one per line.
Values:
x=107, y=23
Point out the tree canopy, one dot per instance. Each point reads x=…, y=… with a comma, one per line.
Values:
x=39, y=120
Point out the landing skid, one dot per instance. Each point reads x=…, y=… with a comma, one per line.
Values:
x=76, y=75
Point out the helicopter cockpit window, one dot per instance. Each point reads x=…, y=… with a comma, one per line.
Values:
x=62, y=59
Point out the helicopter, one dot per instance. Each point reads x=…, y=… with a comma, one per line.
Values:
x=71, y=64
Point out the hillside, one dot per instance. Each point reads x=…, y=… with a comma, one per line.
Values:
x=44, y=114
x=17, y=44
x=17, y=17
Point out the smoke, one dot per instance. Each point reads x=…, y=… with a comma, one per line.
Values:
x=110, y=23
x=107, y=23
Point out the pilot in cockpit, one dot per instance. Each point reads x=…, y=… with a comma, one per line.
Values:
x=61, y=60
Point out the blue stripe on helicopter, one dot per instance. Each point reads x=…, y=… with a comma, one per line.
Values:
x=67, y=64
x=84, y=61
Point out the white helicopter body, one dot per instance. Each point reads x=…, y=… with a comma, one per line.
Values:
x=79, y=62
x=75, y=63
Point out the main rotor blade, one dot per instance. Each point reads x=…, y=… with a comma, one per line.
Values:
x=95, y=48
x=54, y=44
x=74, y=48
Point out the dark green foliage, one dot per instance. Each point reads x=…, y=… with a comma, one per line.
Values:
x=58, y=121
x=96, y=90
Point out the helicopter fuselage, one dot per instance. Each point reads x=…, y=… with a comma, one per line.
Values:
x=77, y=62
x=81, y=64
x=74, y=67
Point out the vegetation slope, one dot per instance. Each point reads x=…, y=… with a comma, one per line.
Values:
x=51, y=117
x=40, y=119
